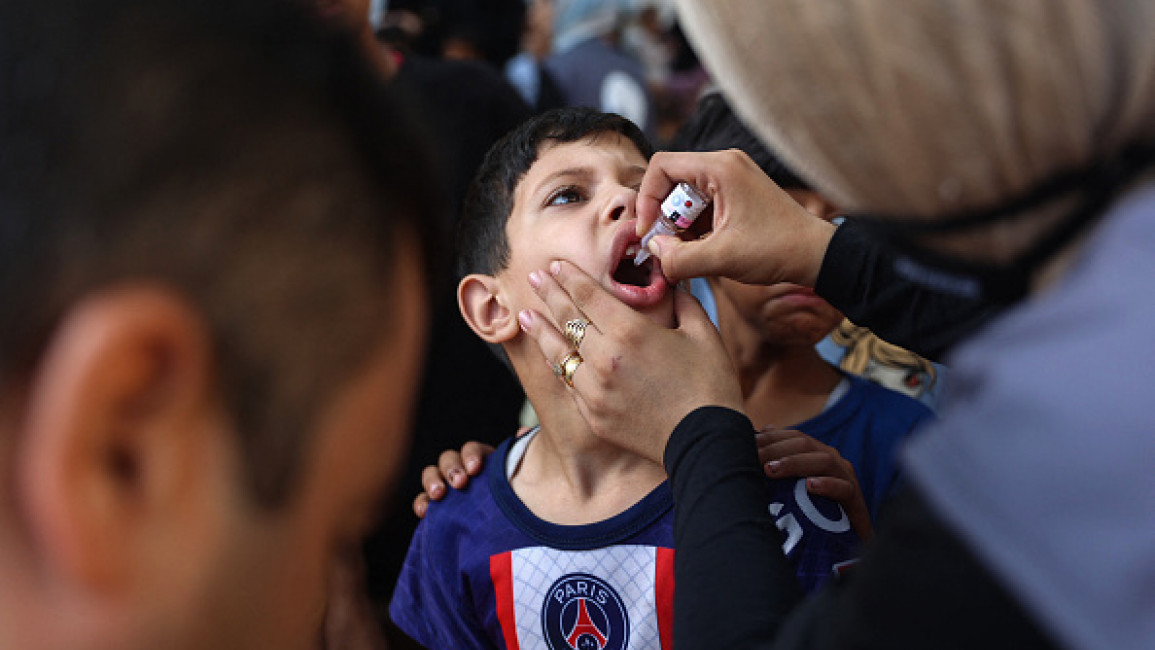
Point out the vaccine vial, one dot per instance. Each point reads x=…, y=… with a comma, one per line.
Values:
x=681, y=207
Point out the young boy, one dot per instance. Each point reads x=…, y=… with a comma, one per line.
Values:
x=565, y=542
x=770, y=333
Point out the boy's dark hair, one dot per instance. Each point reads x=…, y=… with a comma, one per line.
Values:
x=233, y=151
x=714, y=127
x=482, y=245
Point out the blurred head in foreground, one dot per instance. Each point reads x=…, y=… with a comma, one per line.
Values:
x=212, y=296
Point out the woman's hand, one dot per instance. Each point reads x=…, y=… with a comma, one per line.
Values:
x=637, y=379
x=754, y=231
x=786, y=453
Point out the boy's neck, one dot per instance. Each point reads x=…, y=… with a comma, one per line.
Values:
x=568, y=475
x=782, y=385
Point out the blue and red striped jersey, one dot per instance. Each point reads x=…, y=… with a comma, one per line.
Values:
x=485, y=572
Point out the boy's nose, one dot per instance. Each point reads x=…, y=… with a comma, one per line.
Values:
x=621, y=205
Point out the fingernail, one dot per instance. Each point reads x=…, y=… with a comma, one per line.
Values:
x=654, y=248
x=555, y=267
x=774, y=466
x=436, y=490
x=472, y=464
x=421, y=510
x=535, y=279
x=455, y=477
x=525, y=319
x=812, y=484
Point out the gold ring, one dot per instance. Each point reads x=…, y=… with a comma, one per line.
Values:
x=568, y=367
x=575, y=331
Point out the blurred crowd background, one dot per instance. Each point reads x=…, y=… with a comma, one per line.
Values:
x=556, y=52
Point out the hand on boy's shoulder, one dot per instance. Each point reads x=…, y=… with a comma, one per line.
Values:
x=453, y=469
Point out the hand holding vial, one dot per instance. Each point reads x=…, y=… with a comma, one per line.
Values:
x=679, y=211
x=757, y=233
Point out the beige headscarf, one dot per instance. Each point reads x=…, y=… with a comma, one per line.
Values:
x=921, y=107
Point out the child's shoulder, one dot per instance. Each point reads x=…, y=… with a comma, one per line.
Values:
x=877, y=392
x=889, y=402
x=477, y=500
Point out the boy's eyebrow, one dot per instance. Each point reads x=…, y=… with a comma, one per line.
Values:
x=588, y=172
x=636, y=170
x=582, y=172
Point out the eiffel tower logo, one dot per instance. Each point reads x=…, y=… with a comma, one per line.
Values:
x=581, y=611
x=584, y=632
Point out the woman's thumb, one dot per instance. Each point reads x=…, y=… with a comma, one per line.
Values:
x=678, y=257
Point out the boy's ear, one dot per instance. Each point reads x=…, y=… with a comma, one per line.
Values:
x=480, y=301
x=113, y=438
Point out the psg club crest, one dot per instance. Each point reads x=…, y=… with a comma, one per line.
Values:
x=582, y=612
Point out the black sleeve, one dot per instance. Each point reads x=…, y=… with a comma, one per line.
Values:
x=865, y=281
x=734, y=584
x=916, y=587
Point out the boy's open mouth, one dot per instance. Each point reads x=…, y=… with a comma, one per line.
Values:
x=640, y=286
x=638, y=275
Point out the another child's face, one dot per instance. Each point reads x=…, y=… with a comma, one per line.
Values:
x=784, y=313
x=576, y=203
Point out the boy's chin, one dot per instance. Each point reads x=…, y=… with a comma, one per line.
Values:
x=665, y=319
x=662, y=313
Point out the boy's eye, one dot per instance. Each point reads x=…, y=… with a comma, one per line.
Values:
x=564, y=195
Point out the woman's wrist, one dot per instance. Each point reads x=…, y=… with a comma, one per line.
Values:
x=697, y=427
x=812, y=245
